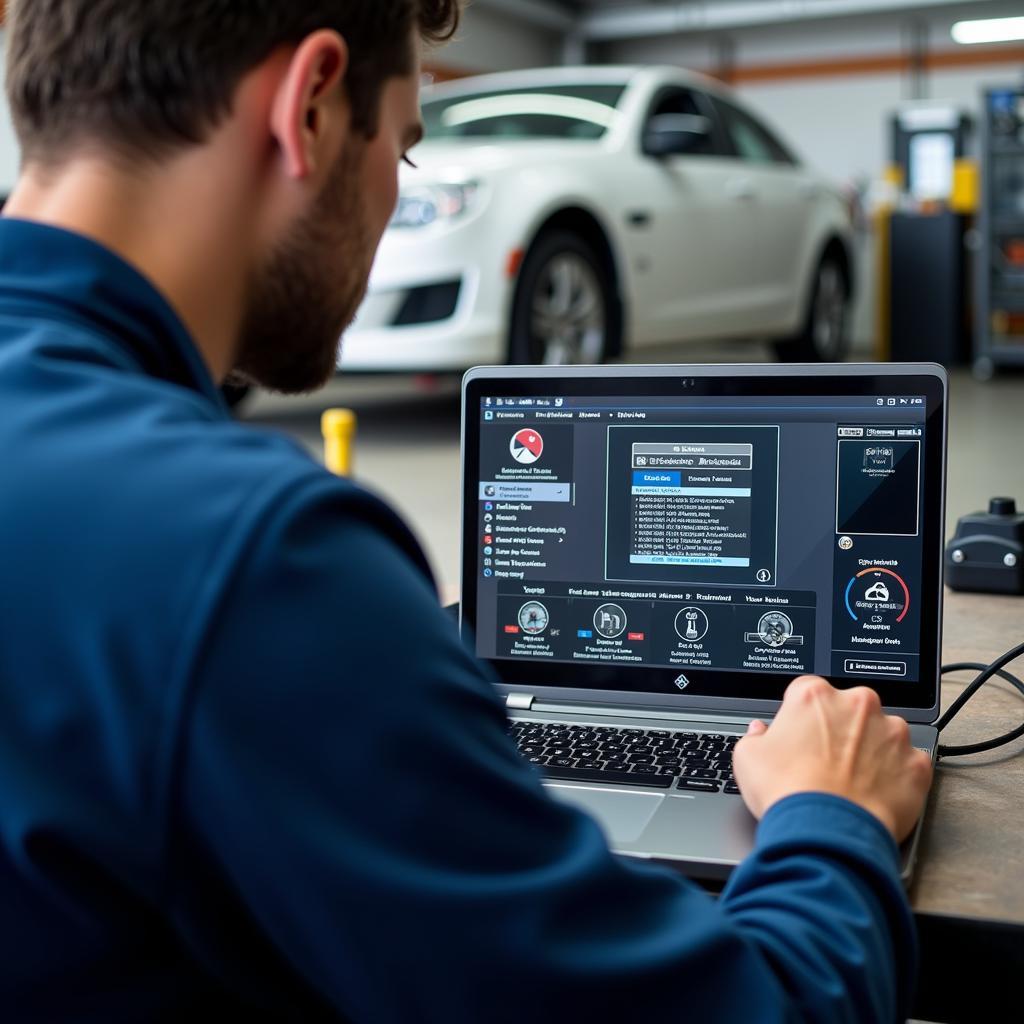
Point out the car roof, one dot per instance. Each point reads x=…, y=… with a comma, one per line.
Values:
x=624, y=75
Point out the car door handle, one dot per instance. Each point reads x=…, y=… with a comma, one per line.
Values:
x=742, y=190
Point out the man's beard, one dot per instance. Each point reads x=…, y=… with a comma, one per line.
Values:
x=309, y=291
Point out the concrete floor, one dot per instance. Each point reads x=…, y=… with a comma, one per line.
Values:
x=408, y=442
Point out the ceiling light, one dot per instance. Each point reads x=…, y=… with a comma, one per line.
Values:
x=990, y=30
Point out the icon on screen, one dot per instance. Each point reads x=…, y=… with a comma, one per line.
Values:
x=526, y=446
x=488, y=415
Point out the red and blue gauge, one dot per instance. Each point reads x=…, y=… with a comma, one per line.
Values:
x=877, y=569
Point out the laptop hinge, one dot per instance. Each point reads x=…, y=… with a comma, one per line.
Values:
x=519, y=701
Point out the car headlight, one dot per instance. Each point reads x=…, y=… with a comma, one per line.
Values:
x=420, y=206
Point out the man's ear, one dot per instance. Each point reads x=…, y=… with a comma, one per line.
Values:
x=306, y=115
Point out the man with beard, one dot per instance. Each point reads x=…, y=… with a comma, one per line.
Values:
x=246, y=765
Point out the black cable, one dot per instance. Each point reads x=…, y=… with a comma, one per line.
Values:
x=978, y=666
x=987, y=672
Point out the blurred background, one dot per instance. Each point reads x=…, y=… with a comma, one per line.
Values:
x=738, y=180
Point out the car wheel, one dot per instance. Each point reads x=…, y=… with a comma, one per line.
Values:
x=563, y=311
x=826, y=334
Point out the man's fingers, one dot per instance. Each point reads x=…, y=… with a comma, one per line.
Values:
x=806, y=686
x=756, y=728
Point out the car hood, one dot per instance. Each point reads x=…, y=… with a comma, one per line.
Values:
x=453, y=161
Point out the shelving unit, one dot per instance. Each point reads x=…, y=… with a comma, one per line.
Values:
x=1000, y=268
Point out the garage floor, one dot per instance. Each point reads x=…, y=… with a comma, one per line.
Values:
x=408, y=444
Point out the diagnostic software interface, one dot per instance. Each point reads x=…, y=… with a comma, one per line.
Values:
x=753, y=534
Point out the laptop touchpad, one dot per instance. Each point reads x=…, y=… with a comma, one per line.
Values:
x=622, y=816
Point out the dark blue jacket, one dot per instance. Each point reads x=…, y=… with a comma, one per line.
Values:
x=247, y=766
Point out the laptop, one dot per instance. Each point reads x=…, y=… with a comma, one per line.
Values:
x=652, y=553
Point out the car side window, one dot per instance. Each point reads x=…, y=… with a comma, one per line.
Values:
x=687, y=101
x=751, y=140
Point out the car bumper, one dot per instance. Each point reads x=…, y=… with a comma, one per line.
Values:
x=437, y=300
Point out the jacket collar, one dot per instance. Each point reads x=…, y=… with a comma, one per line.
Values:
x=56, y=274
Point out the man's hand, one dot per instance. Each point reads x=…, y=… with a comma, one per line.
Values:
x=835, y=741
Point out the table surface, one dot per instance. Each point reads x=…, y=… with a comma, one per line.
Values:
x=971, y=851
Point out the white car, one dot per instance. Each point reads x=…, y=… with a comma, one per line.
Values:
x=567, y=215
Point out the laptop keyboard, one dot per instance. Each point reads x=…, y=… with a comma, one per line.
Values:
x=696, y=762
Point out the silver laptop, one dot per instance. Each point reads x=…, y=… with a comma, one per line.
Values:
x=652, y=553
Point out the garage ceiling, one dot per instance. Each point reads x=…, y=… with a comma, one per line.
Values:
x=618, y=19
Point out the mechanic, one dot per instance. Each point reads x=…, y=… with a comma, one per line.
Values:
x=246, y=763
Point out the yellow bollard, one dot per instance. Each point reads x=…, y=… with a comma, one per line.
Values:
x=339, y=430
x=966, y=196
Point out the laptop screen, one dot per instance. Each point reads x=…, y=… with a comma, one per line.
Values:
x=715, y=536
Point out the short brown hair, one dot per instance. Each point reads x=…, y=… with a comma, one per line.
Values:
x=148, y=75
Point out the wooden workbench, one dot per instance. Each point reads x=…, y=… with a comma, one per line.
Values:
x=968, y=893
x=972, y=858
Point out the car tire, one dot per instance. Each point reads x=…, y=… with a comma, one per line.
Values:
x=564, y=307
x=825, y=337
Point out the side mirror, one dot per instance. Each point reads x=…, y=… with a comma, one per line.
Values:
x=675, y=134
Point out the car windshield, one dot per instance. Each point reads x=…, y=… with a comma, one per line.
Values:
x=552, y=112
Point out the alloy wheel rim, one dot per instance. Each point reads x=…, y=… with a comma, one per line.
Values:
x=568, y=317
x=829, y=313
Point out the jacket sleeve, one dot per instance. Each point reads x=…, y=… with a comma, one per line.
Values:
x=344, y=768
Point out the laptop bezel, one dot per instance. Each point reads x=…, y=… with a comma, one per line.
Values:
x=880, y=377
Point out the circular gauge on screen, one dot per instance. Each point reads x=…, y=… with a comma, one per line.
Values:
x=533, y=618
x=775, y=628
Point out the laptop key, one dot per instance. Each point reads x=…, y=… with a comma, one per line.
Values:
x=699, y=773
x=562, y=762
x=698, y=785
x=606, y=776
